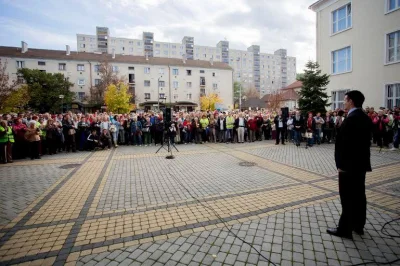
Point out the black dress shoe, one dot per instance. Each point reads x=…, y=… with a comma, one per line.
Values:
x=359, y=231
x=336, y=232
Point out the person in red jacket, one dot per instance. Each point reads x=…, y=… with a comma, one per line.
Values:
x=380, y=123
x=252, y=125
x=19, y=130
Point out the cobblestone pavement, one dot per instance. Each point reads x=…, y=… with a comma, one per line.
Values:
x=129, y=206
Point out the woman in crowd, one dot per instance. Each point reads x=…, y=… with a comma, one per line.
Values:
x=32, y=136
x=52, y=133
x=69, y=132
x=19, y=128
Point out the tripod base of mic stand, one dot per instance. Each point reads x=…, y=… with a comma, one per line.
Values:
x=170, y=157
x=169, y=145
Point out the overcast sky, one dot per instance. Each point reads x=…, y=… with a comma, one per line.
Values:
x=272, y=24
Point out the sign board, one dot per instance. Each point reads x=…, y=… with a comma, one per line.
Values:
x=74, y=106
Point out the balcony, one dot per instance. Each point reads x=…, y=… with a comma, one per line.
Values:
x=202, y=82
x=202, y=92
x=131, y=78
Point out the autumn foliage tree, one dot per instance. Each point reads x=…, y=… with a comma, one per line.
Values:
x=208, y=101
x=107, y=76
x=16, y=100
x=117, y=98
x=251, y=93
x=7, y=86
x=274, y=100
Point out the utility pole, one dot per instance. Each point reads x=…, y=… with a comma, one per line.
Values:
x=158, y=93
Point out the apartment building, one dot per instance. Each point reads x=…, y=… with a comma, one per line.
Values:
x=155, y=81
x=253, y=69
x=358, y=44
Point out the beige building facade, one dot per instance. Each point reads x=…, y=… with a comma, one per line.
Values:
x=358, y=45
x=153, y=80
x=263, y=71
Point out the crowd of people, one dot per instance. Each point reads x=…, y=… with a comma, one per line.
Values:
x=33, y=135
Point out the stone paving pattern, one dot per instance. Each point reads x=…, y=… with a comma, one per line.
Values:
x=127, y=207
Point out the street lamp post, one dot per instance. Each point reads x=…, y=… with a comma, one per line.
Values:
x=240, y=97
x=62, y=102
x=158, y=94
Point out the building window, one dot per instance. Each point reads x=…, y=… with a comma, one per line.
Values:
x=175, y=71
x=147, y=83
x=341, y=60
x=97, y=82
x=96, y=68
x=20, y=64
x=147, y=96
x=131, y=68
x=175, y=84
x=188, y=72
x=393, y=5
x=218, y=57
x=176, y=96
x=147, y=70
x=131, y=42
x=188, y=84
x=157, y=52
x=215, y=86
x=161, y=83
x=139, y=44
x=131, y=78
x=341, y=18
x=157, y=45
x=41, y=63
x=115, y=68
x=338, y=98
x=392, y=95
x=165, y=52
x=81, y=96
x=80, y=67
x=82, y=45
x=393, y=47
x=161, y=71
x=173, y=46
x=189, y=96
x=213, y=74
x=62, y=66
x=162, y=96
x=201, y=71
x=81, y=82
x=202, y=81
x=173, y=52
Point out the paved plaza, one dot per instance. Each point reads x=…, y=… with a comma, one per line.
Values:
x=214, y=204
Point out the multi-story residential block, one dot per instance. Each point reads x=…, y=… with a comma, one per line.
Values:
x=358, y=44
x=253, y=69
x=153, y=80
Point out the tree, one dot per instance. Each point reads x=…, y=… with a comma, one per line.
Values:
x=16, y=100
x=299, y=76
x=6, y=86
x=117, y=98
x=251, y=93
x=208, y=101
x=236, y=92
x=313, y=97
x=45, y=88
x=274, y=100
x=107, y=77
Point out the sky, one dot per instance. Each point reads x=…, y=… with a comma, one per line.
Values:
x=272, y=24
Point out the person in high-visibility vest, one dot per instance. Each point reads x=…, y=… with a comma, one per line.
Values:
x=6, y=142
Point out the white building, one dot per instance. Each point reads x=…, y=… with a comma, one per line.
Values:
x=262, y=71
x=358, y=44
x=151, y=79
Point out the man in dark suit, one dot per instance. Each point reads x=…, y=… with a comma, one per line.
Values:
x=352, y=156
x=280, y=126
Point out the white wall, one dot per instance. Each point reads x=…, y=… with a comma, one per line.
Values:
x=367, y=38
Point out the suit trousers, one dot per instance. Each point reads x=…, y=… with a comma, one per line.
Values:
x=240, y=132
x=353, y=200
x=280, y=134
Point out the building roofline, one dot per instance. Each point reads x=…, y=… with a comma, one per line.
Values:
x=314, y=5
x=32, y=53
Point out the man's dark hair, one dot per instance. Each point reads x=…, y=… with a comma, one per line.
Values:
x=357, y=97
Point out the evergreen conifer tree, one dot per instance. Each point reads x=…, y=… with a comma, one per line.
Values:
x=313, y=97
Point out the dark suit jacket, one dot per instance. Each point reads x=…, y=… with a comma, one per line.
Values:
x=284, y=121
x=353, y=141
